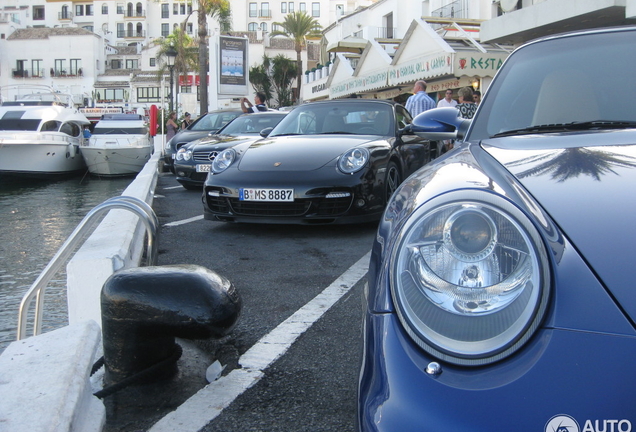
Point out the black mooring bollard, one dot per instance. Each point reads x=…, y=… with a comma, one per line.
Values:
x=145, y=308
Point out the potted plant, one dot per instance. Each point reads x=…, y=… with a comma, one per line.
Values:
x=327, y=68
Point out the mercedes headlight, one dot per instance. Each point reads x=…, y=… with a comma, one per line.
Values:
x=183, y=154
x=223, y=160
x=470, y=277
x=353, y=160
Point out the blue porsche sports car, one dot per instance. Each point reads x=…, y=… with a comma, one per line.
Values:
x=500, y=295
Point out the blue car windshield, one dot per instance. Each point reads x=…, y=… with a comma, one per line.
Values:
x=567, y=82
x=251, y=124
x=213, y=121
x=352, y=118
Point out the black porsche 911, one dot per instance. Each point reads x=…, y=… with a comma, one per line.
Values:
x=193, y=160
x=336, y=161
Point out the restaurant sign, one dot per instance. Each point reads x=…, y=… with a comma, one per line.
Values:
x=421, y=68
x=359, y=84
x=477, y=64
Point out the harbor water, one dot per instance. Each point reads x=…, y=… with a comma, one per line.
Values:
x=37, y=217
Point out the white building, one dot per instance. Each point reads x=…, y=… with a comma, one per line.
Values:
x=116, y=50
x=117, y=54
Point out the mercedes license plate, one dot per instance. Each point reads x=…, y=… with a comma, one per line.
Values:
x=246, y=194
x=203, y=167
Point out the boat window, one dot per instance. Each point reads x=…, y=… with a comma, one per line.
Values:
x=50, y=126
x=120, y=131
x=19, y=124
x=70, y=129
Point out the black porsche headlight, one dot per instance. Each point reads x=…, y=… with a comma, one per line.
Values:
x=223, y=161
x=470, y=277
x=353, y=160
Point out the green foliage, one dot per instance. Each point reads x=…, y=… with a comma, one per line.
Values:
x=283, y=73
x=260, y=79
x=274, y=77
x=298, y=26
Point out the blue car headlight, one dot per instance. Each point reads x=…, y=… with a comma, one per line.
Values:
x=353, y=160
x=222, y=161
x=183, y=155
x=470, y=277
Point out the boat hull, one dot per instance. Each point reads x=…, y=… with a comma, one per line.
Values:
x=116, y=161
x=40, y=159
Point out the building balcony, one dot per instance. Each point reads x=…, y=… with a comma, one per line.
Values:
x=538, y=19
x=27, y=73
x=65, y=16
x=135, y=14
x=133, y=34
x=64, y=73
x=265, y=14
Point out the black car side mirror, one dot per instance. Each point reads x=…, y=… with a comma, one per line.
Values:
x=406, y=130
x=265, y=132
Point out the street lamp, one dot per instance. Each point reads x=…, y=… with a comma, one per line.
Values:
x=171, y=55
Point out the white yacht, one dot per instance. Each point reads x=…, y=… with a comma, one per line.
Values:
x=40, y=132
x=120, y=145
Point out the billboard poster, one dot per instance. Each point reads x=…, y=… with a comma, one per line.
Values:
x=233, y=66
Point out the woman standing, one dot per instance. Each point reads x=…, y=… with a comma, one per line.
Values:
x=171, y=126
x=187, y=121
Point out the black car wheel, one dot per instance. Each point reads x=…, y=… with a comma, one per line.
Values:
x=392, y=181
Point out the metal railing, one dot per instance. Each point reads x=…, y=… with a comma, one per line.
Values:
x=454, y=9
x=135, y=205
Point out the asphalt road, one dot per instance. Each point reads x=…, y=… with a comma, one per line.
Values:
x=277, y=269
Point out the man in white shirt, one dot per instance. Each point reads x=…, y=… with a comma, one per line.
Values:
x=448, y=101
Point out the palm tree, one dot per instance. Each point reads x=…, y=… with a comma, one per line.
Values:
x=219, y=9
x=282, y=77
x=260, y=78
x=298, y=26
x=274, y=75
x=186, y=59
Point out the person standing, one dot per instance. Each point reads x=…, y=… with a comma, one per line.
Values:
x=187, y=121
x=259, y=103
x=419, y=101
x=477, y=97
x=171, y=126
x=466, y=106
x=448, y=100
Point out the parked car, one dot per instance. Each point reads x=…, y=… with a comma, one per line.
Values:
x=193, y=160
x=327, y=162
x=201, y=127
x=500, y=295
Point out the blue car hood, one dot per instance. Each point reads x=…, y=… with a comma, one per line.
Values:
x=297, y=153
x=588, y=190
x=218, y=142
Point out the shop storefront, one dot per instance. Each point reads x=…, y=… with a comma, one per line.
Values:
x=422, y=55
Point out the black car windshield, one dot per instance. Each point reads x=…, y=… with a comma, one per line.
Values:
x=251, y=124
x=577, y=83
x=213, y=121
x=358, y=118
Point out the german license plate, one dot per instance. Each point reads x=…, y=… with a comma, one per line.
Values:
x=203, y=167
x=276, y=195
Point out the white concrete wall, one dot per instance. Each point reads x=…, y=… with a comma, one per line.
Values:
x=45, y=382
x=117, y=243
